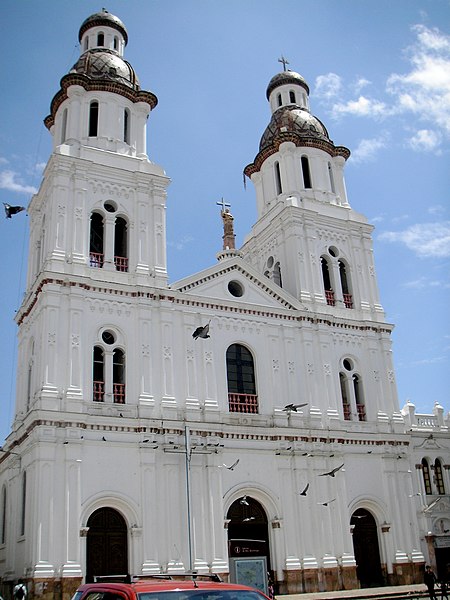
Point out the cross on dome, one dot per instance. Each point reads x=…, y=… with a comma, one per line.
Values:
x=223, y=204
x=284, y=61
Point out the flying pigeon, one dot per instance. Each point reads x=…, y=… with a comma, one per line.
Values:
x=248, y=519
x=12, y=210
x=303, y=492
x=230, y=467
x=332, y=472
x=202, y=332
x=327, y=502
x=243, y=501
x=293, y=407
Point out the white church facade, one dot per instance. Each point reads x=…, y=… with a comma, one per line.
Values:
x=273, y=442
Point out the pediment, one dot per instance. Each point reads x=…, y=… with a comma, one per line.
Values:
x=216, y=282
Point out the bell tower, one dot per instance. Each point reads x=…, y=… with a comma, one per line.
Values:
x=307, y=238
x=97, y=224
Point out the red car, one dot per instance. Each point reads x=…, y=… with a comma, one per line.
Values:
x=160, y=588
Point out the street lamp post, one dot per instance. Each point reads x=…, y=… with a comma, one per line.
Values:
x=188, y=494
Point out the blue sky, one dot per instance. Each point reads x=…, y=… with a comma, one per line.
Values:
x=379, y=74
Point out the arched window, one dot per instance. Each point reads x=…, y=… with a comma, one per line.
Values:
x=108, y=370
x=329, y=293
x=86, y=43
x=100, y=39
x=292, y=97
x=344, y=397
x=352, y=394
x=357, y=388
x=98, y=375
x=96, y=240
x=331, y=176
x=3, y=522
x=277, y=274
x=23, y=504
x=278, y=178
x=121, y=244
x=64, y=126
x=126, y=126
x=346, y=295
x=426, y=476
x=306, y=172
x=241, y=380
x=93, y=119
x=119, y=376
x=438, y=477
x=116, y=42
x=279, y=100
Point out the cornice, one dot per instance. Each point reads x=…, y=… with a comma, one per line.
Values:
x=178, y=299
x=300, y=142
x=93, y=85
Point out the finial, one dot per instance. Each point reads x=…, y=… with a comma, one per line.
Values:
x=284, y=61
x=228, y=228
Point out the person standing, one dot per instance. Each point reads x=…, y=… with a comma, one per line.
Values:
x=429, y=580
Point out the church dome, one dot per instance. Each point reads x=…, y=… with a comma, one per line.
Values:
x=286, y=77
x=105, y=19
x=103, y=64
x=293, y=121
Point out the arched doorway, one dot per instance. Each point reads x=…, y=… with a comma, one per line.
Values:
x=366, y=549
x=248, y=543
x=106, y=544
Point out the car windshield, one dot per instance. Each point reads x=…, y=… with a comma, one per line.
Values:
x=196, y=594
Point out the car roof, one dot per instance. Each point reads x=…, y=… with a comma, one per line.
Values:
x=159, y=585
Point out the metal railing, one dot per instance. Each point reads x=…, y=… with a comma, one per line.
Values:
x=121, y=263
x=329, y=295
x=119, y=393
x=243, y=403
x=99, y=391
x=96, y=259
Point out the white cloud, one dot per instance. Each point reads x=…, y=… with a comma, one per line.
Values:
x=363, y=107
x=181, y=243
x=361, y=83
x=430, y=361
x=8, y=182
x=425, y=90
x=3, y=161
x=437, y=209
x=425, y=140
x=423, y=283
x=426, y=240
x=328, y=86
x=368, y=149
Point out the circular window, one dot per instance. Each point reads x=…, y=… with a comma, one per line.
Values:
x=235, y=289
x=110, y=207
x=333, y=251
x=108, y=337
x=348, y=365
x=270, y=262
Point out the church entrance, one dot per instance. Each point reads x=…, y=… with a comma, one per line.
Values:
x=248, y=543
x=106, y=545
x=366, y=549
